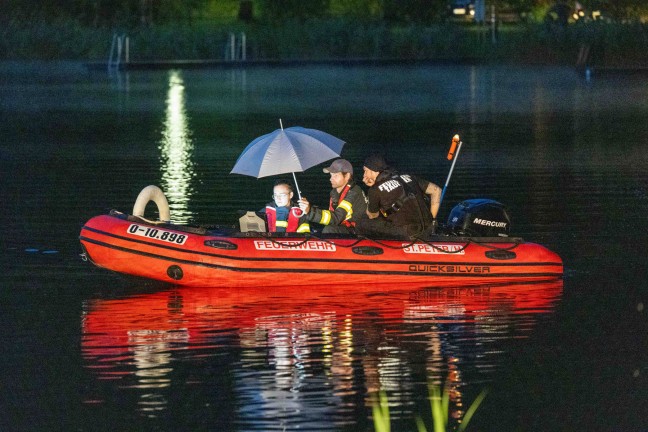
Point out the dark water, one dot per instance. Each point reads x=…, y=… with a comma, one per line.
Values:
x=86, y=349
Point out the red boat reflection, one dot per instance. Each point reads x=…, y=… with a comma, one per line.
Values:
x=183, y=317
x=286, y=332
x=192, y=315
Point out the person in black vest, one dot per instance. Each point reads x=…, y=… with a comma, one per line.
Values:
x=397, y=206
x=347, y=204
x=282, y=215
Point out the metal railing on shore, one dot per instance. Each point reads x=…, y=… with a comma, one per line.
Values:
x=119, y=48
x=236, y=47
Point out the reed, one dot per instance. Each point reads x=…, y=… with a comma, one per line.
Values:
x=380, y=411
x=439, y=406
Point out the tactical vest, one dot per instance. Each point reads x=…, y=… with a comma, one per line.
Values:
x=411, y=195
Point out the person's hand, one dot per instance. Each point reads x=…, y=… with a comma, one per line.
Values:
x=304, y=205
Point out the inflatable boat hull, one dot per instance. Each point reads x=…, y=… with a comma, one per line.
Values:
x=191, y=257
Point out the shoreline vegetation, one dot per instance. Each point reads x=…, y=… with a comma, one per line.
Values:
x=608, y=44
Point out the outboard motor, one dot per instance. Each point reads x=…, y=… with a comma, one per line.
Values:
x=479, y=217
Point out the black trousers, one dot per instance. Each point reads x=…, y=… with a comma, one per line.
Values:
x=382, y=228
x=337, y=229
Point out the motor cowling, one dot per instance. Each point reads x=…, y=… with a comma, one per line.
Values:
x=480, y=217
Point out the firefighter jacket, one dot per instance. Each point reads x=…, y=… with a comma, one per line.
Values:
x=345, y=207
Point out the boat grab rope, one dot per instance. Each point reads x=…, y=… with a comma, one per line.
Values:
x=492, y=247
x=488, y=245
x=383, y=244
x=311, y=237
x=289, y=245
x=362, y=238
x=438, y=249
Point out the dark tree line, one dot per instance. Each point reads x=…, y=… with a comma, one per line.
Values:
x=147, y=12
x=105, y=12
x=390, y=10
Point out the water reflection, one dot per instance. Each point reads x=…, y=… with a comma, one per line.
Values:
x=482, y=317
x=238, y=81
x=121, y=81
x=176, y=148
x=306, y=356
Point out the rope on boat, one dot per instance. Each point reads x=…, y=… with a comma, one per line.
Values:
x=285, y=244
x=488, y=245
x=433, y=246
x=361, y=238
x=388, y=245
x=311, y=237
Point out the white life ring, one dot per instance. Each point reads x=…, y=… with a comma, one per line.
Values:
x=155, y=194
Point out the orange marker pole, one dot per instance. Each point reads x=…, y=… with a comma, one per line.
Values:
x=453, y=146
x=456, y=145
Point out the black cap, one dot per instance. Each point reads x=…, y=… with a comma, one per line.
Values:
x=375, y=162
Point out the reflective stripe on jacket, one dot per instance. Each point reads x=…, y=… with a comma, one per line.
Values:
x=344, y=207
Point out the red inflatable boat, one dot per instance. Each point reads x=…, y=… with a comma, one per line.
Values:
x=194, y=256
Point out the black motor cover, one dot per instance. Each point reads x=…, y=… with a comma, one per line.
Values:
x=480, y=217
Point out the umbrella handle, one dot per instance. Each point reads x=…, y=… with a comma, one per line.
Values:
x=297, y=186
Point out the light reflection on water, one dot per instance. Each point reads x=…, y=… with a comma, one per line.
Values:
x=305, y=355
x=176, y=148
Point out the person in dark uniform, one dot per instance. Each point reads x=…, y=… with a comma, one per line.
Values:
x=397, y=206
x=281, y=214
x=347, y=204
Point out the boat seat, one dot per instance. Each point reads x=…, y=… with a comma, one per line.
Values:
x=251, y=221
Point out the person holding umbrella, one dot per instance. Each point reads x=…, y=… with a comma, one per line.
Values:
x=281, y=214
x=347, y=204
x=397, y=205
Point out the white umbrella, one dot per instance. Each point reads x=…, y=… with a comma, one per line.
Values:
x=290, y=150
